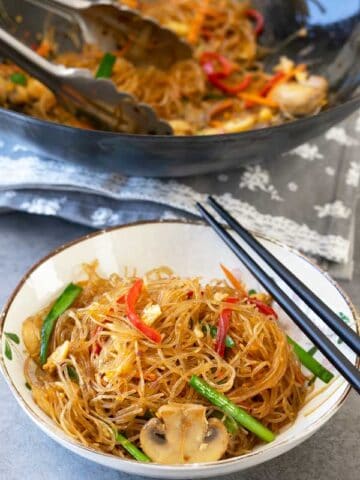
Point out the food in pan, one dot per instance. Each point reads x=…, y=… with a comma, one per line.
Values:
x=165, y=369
x=222, y=89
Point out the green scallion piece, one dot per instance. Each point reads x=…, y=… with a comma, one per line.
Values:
x=18, y=78
x=131, y=448
x=251, y=292
x=310, y=362
x=65, y=301
x=72, y=373
x=106, y=66
x=230, y=424
x=229, y=342
x=229, y=408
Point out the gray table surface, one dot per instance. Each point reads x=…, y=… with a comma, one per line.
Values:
x=26, y=452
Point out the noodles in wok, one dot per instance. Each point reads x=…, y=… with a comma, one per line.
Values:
x=222, y=89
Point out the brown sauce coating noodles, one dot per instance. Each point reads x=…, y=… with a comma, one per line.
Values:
x=123, y=377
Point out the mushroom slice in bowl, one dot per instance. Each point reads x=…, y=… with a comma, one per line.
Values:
x=182, y=434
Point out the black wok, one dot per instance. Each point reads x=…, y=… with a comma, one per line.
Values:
x=331, y=48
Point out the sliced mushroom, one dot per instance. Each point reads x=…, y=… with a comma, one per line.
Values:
x=182, y=434
x=299, y=99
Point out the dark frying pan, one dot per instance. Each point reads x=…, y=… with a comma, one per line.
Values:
x=332, y=48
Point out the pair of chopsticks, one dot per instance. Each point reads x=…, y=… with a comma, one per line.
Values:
x=321, y=341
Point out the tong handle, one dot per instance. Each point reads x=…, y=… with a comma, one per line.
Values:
x=63, y=6
x=29, y=60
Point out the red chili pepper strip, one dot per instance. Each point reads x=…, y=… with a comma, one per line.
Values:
x=258, y=18
x=262, y=307
x=230, y=89
x=131, y=299
x=217, y=67
x=121, y=299
x=223, y=327
x=231, y=300
x=270, y=84
x=210, y=60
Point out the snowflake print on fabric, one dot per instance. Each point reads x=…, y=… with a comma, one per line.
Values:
x=43, y=206
x=336, y=210
x=353, y=175
x=307, y=151
x=223, y=177
x=339, y=135
x=104, y=216
x=293, y=187
x=256, y=178
x=19, y=148
x=170, y=215
x=10, y=194
x=331, y=243
x=330, y=171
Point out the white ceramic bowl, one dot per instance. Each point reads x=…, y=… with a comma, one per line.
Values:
x=191, y=250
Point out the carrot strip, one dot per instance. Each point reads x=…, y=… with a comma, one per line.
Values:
x=219, y=107
x=43, y=49
x=277, y=79
x=254, y=98
x=233, y=280
x=287, y=76
x=196, y=27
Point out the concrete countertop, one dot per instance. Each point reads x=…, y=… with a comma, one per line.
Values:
x=27, y=453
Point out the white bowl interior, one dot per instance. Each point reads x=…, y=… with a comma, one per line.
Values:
x=190, y=250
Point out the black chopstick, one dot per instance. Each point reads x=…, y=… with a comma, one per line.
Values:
x=329, y=350
x=348, y=335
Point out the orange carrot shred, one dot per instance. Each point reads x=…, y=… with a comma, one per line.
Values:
x=254, y=98
x=219, y=107
x=43, y=49
x=196, y=27
x=233, y=280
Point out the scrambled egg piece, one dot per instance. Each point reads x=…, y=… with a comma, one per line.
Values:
x=151, y=313
x=263, y=297
x=198, y=332
x=58, y=355
x=219, y=297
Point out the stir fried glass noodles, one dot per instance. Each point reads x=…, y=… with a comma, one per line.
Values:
x=222, y=89
x=164, y=368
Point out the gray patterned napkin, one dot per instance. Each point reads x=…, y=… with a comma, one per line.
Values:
x=306, y=198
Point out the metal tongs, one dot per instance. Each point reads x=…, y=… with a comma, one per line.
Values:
x=81, y=93
x=107, y=24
